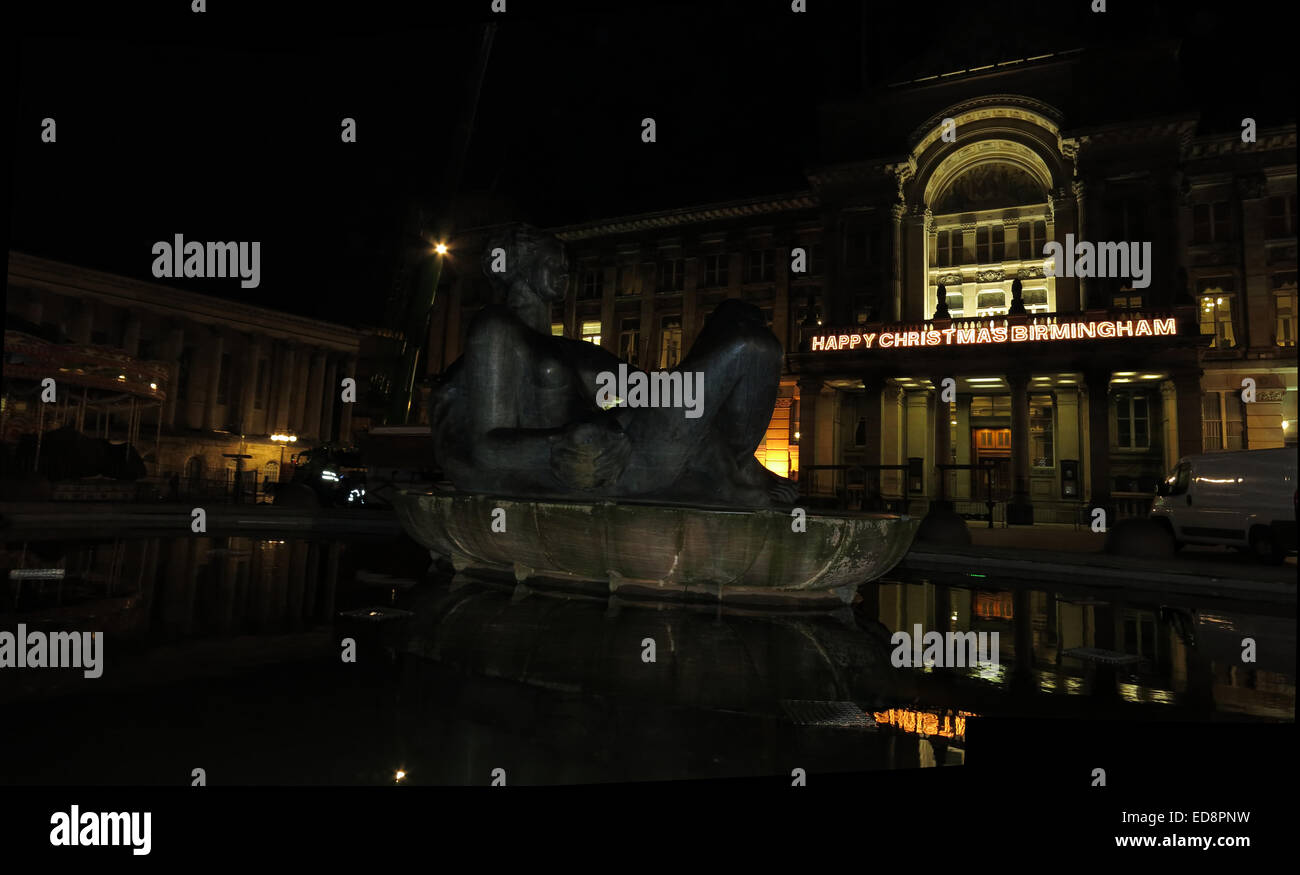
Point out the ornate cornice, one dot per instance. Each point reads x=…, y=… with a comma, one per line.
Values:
x=687, y=216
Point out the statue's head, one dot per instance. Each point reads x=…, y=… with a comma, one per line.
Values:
x=533, y=262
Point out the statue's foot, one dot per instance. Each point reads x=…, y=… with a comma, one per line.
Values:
x=779, y=490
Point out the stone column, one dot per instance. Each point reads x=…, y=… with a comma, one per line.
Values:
x=1169, y=423
x=315, y=388
x=1067, y=429
x=941, y=498
x=920, y=434
x=1187, y=389
x=1078, y=302
x=964, y=478
x=83, y=323
x=298, y=392
x=34, y=308
x=891, y=431
x=915, y=269
x=872, y=452
x=894, y=310
x=1098, y=382
x=131, y=335
x=173, y=348
x=248, y=391
x=345, y=420
x=1021, y=509
x=809, y=390
x=275, y=389
x=1065, y=221
x=212, y=418
x=328, y=398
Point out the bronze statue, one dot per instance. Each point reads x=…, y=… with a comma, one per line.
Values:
x=518, y=414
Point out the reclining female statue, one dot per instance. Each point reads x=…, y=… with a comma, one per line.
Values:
x=518, y=413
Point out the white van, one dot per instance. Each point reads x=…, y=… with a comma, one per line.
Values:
x=1244, y=499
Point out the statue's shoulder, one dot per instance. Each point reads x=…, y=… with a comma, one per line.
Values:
x=494, y=321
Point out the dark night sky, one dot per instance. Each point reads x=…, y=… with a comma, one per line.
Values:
x=225, y=126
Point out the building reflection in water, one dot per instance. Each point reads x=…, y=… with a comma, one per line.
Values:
x=556, y=690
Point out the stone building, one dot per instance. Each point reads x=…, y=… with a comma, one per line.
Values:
x=201, y=379
x=1069, y=389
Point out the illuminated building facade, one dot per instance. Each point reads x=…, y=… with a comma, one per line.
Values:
x=202, y=379
x=926, y=231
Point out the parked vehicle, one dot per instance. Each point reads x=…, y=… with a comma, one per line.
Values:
x=1244, y=499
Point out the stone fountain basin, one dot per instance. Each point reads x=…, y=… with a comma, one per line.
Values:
x=626, y=544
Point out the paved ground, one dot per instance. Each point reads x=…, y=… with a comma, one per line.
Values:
x=1063, y=553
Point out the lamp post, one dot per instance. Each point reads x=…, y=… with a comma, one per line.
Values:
x=282, y=439
x=415, y=334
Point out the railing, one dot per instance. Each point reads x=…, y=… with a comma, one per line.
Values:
x=858, y=487
x=251, y=488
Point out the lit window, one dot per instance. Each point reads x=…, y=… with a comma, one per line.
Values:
x=1126, y=302
x=1284, y=305
x=670, y=341
x=557, y=329
x=1031, y=237
x=629, y=340
x=1216, y=309
x=591, y=332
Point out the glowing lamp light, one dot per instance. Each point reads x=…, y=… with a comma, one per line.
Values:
x=153, y=386
x=399, y=775
x=441, y=249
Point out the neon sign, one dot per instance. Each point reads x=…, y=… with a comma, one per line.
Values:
x=985, y=334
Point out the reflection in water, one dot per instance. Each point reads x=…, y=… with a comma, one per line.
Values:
x=458, y=678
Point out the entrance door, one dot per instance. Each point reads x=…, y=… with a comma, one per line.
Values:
x=993, y=445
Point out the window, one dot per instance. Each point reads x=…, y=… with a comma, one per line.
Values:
x=1035, y=300
x=816, y=259
x=670, y=341
x=863, y=303
x=1210, y=223
x=625, y=280
x=949, y=248
x=956, y=303
x=990, y=405
x=590, y=332
x=557, y=329
x=1133, y=420
x=1217, y=304
x=629, y=340
x=1284, y=306
x=259, y=393
x=1041, y=449
x=716, y=270
x=672, y=275
x=1281, y=216
x=1031, y=237
x=1126, y=302
x=593, y=283
x=761, y=266
x=1126, y=220
x=991, y=303
x=1222, y=427
x=990, y=244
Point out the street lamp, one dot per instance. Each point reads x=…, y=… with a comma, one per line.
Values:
x=282, y=439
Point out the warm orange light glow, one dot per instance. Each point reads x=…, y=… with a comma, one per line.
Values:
x=925, y=723
x=441, y=249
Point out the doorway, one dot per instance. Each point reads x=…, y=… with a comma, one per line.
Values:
x=993, y=446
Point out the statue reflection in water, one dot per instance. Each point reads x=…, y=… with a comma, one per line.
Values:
x=517, y=414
